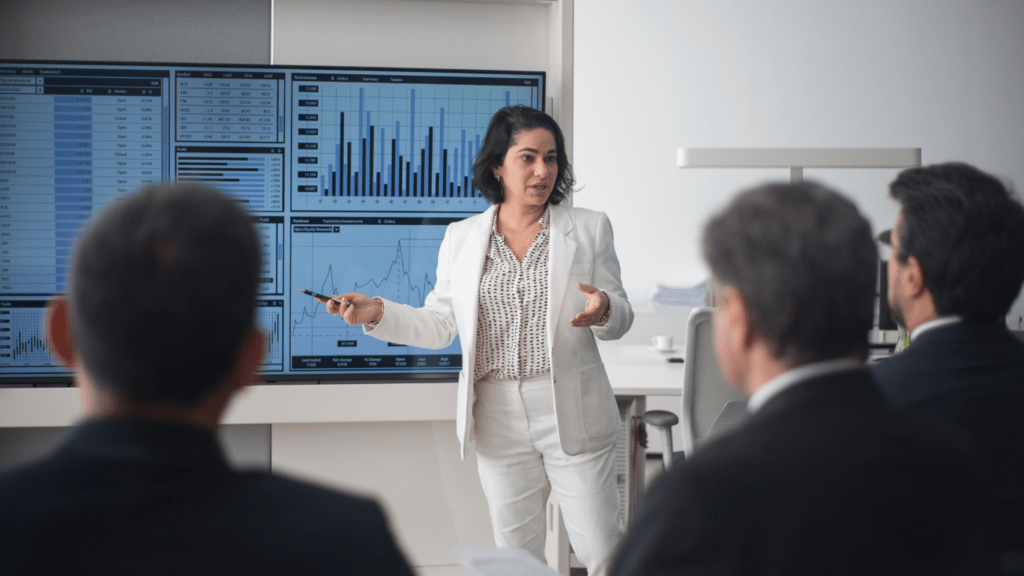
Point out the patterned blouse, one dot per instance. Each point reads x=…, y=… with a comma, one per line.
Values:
x=511, y=320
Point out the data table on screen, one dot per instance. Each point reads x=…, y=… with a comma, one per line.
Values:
x=70, y=144
x=230, y=106
x=393, y=142
x=395, y=258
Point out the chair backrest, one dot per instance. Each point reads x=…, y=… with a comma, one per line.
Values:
x=711, y=406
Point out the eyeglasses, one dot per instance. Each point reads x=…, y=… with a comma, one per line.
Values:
x=885, y=237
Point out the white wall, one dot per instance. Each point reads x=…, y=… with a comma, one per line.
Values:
x=943, y=75
x=229, y=31
x=246, y=446
x=485, y=35
x=433, y=500
x=400, y=33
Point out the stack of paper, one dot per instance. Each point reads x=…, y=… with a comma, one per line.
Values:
x=671, y=298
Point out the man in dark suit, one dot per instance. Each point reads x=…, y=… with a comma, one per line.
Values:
x=824, y=477
x=159, y=326
x=957, y=265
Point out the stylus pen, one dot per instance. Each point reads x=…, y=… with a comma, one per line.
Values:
x=315, y=295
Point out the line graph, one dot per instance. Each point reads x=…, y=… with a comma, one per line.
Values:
x=399, y=281
x=395, y=258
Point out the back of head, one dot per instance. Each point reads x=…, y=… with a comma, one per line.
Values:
x=967, y=232
x=804, y=260
x=162, y=292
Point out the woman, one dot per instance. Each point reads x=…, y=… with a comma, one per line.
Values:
x=527, y=285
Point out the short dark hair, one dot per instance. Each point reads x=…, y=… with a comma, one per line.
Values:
x=804, y=260
x=967, y=231
x=162, y=292
x=504, y=128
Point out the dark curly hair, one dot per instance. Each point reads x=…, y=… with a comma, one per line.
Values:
x=505, y=126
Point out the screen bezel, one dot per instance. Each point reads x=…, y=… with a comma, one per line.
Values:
x=67, y=379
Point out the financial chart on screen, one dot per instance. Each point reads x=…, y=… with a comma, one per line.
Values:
x=351, y=176
x=393, y=257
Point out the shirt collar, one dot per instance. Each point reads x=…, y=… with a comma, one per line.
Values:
x=797, y=375
x=932, y=324
x=544, y=221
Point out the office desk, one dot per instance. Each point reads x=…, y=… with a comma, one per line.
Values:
x=638, y=370
x=644, y=378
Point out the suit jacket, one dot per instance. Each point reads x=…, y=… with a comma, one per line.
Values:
x=580, y=250
x=127, y=496
x=825, y=478
x=970, y=375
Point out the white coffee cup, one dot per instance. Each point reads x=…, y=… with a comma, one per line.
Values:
x=662, y=343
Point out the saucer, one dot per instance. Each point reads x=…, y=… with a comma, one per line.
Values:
x=665, y=351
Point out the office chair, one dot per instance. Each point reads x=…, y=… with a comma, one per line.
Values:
x=711, y=406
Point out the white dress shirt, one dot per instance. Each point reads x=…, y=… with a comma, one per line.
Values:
x=932, y=324
x=512, y=316
x=803, y=373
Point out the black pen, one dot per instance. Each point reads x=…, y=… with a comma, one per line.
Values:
x=315, y=295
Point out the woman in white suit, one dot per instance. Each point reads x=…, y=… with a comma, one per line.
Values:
x=527, y=284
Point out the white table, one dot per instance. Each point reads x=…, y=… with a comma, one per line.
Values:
x=638, y=370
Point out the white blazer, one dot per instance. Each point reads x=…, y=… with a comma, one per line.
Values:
x=580, y=250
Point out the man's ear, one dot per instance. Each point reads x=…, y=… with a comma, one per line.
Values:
x=738, y=314
x=58, y=331
x=733, y=335
x=913, y=278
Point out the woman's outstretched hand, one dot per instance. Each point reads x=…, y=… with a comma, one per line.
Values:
x=355, y=308
x=597, y=305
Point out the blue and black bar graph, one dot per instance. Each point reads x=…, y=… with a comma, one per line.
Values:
x=360, y=136
x=381, y=171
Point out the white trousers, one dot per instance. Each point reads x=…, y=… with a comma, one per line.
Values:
x=520, y=461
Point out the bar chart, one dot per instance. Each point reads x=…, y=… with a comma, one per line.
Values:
x=23, y=347
x=389, y=143
x=269, y=319
x=270, y=231
x=252, y=176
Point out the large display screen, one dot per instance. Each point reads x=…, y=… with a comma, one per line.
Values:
x=351, y=175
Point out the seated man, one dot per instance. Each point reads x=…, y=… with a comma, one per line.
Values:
x=159, y=326
x=825, y=477
x=957, y=265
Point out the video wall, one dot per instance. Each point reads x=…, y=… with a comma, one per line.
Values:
x=351, y=175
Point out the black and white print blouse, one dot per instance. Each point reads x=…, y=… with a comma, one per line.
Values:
x=512, y=316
